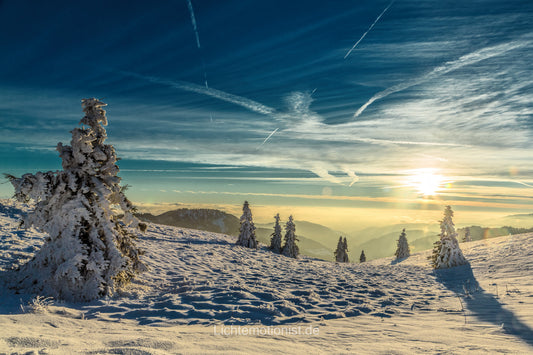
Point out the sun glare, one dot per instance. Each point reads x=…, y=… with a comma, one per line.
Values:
x=426, y=181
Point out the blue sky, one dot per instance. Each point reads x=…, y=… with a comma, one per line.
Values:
x=438, y=90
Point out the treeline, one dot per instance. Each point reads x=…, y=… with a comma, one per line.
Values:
x=479, y=233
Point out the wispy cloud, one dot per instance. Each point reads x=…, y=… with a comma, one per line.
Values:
x=386, y=200
x=218, y=94
x=352, y=175
x=465, y=60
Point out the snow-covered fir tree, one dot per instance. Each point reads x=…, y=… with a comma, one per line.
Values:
x=446, y=251
x=275, y=241
x=247, y=230
x=362, y=258
x=290, y=248
x=347, y=260
x=341, y=253
x=89, y=251
x=402, y=249
x=467, y=237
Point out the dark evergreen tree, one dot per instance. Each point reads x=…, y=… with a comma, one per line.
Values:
x=275, y=241
x=402, y=249
x=290, y=248
x=247, y=230
x=467, y=237
x=341, y=253
x=362, y=258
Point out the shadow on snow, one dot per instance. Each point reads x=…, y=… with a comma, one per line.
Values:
x=484, y=306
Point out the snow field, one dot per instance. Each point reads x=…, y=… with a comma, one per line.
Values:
x=198, y=280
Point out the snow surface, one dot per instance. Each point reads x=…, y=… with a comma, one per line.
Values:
x=200, y=280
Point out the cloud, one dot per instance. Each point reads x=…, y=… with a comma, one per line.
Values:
x=352, y=175
x=465, y=60
x=218, y=94
x=386, y=200
x=324, y=174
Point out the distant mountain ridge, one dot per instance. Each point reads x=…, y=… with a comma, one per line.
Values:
x=210, y=220
x=217, y=221
x=385, y=244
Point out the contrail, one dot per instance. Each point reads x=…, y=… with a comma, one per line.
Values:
x=194, y=26
x=522, y=183
x=197, y=35
x=217, y=94
x=467, y=59
x=267, y=138
x=369, y=29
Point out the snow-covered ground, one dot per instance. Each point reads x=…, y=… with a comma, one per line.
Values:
x=203, y=294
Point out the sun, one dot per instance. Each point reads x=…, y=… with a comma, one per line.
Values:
x=426, y=181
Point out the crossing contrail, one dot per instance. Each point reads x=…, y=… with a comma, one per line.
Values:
x=197, y=35
x=369, y=29
x=267, y=138
x=194, y=26
x=467, y=59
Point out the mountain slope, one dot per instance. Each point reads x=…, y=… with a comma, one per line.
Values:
x=210, y=220
x=217, y=221
x=385, y=245
x=203, y=277
x=200, y=278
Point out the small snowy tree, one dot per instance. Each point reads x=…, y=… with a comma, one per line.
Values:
x=89, y=251
x=467, y=237
x=402, y=250
x=346, y=259
x=362, y=258
x=341, y=253
x=446, y=251
x=247, y=230
x=275, y=241
x=290, y=248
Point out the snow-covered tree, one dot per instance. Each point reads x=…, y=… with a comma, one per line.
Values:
x=446, y=251
x=247, y=230
x=402, y=249
x=467, y=237
x=275, y=241
x=290, y=248
x=341, y=253
x=362, y=258
x=89, y=251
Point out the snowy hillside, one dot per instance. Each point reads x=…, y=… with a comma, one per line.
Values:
x=220, y=222
x=200, y=279
x=203, y=219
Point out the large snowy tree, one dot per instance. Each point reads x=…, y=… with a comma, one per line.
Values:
x=446, y=251
x=275, y=241
x=290, y=248
x=341, y=253
x=90, y=251
x=247, y=230
x=402, y=249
